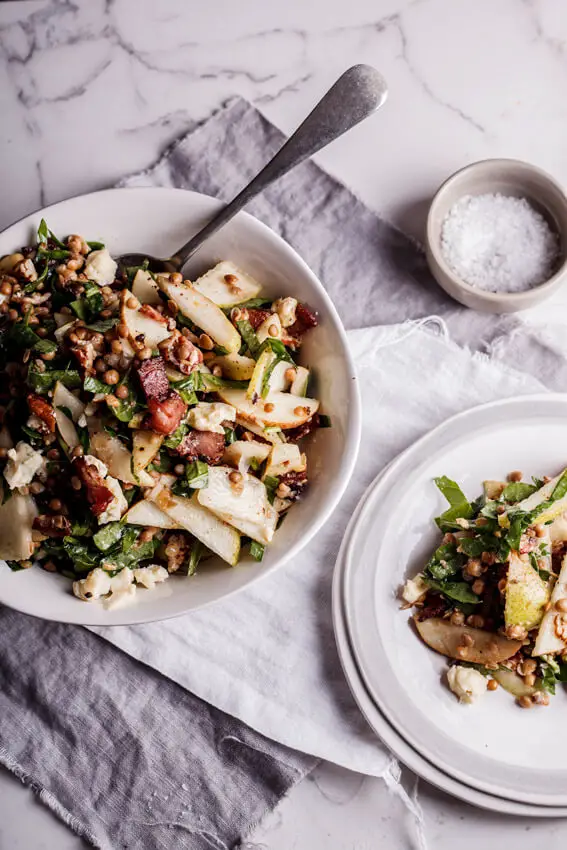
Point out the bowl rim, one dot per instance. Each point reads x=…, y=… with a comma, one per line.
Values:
x=433, y=246
x=353, y=429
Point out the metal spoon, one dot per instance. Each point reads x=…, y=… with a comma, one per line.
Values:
x=358, y=93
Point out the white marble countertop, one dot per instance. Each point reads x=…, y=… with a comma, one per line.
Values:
x=94, y=89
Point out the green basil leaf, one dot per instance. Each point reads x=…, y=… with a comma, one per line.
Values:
x=175, y=439
x=517, y=491
x=460, y=506
x=248, y=334
x=197, y=474
x=456, y=591
x=93, y=385
x=103, y=325
x=108, y=535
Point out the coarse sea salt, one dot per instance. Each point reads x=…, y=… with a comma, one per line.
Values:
x=498, y=243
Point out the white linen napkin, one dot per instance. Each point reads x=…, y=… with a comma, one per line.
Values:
x=267, y=655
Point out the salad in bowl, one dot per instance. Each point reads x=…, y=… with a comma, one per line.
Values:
x=493, y=595
x=147, y=421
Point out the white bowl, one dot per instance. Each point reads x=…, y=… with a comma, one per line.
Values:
x=158, y=220
x=509, y=177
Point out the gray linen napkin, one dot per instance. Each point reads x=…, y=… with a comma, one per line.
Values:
x=375, y=274
x=125, y=756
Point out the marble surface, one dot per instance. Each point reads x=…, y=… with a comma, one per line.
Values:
x=91, y=90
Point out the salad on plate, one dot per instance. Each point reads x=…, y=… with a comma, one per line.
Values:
x=147, y=422
x=493, y=595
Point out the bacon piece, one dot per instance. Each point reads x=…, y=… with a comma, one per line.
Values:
x=152, y=313
x=41, y=408
x=202, y=444
x=166, y=415
x=98, y=495
x=52, y=526
x=434, y=606
x=293, y=435
x=256, y=317
x=305, y=319
x=297, y=482
x=181, y=353
x=85, y=353
x=153, y=379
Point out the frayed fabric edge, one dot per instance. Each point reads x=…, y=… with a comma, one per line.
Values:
x=392, y=778
x=244, y=844
x=49, y=800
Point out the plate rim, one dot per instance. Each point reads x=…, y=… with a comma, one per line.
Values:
x=389, y=476
x=410, y=757
x=352, y=436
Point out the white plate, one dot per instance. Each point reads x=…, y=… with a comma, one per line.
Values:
x=386, y=732
x=158, y=221
x=492, y=746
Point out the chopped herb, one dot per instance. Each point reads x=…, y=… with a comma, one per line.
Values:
x=197, y=552
x=271, y=483
x=325, y=421
x=187, y=387
x=257, y=550
x=211, y=383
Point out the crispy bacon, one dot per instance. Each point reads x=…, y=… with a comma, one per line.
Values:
x=152, y=313
x=98, y=495
x=297, y=482
x=305, y=319
x=166, y=415
x=41, y=408
x=153, y=378
x=85, y=353
x=202, y=444
x=293, y=435
x=181, y=353
x=256, y=317
x=434, y=606
x=52, y=526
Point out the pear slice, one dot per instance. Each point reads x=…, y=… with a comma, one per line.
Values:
x=145, y=289
x=147, y=514
x=446, y=638
x=215, y=534
x=527, y=594
x=138, y=325
x=552, y=634
x=112, y=452
x=245, y=507
x=202, y=312
x=16, y=518
x=285, y=410
x=227, y=293
x=235, y=367
x=145, y=446
x=513, y=683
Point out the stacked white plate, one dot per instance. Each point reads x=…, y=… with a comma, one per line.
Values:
x=492, y=753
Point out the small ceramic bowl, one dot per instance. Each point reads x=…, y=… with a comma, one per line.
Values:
x=508, y=177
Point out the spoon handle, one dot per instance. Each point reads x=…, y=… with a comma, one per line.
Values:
x=358, y=93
